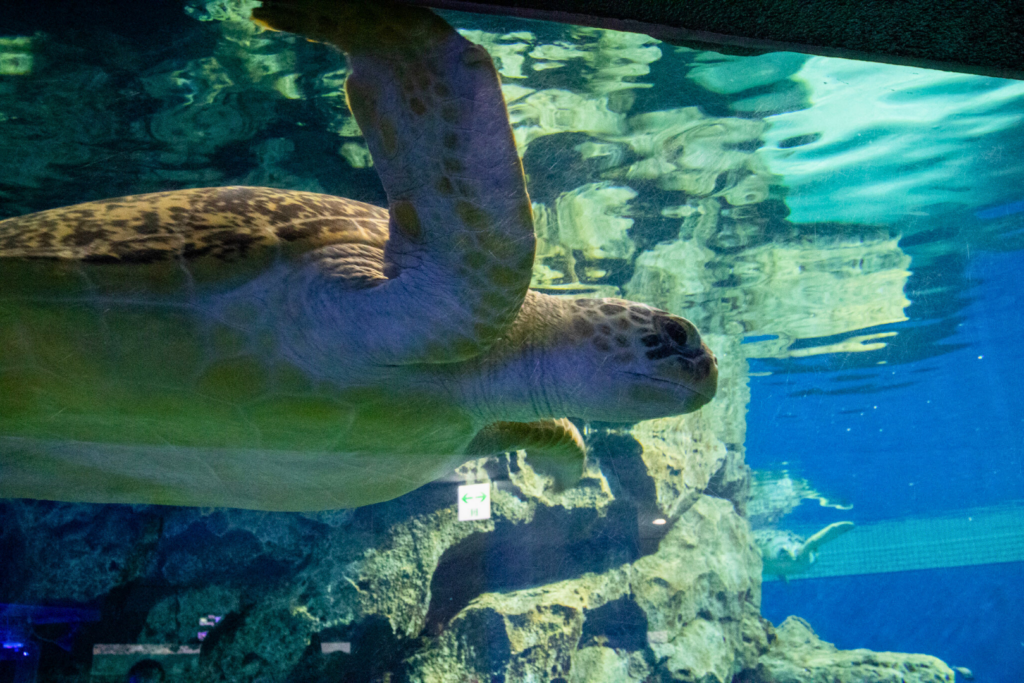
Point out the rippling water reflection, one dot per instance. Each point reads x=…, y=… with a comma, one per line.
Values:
x=819, y=219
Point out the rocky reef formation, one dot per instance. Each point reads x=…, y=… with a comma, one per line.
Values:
x=645, y=571
x=684, y=611
x=582, y=586
x=797, y=655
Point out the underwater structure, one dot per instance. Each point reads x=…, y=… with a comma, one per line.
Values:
x=646, y=569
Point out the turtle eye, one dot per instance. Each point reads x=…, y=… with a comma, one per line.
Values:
x=675, y=332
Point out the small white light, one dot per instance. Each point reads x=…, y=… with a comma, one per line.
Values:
x=328, y=648
x=659, y=521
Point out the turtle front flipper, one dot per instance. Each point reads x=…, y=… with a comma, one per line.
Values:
x=461, y=246
x=553, y=447
x=829, y=533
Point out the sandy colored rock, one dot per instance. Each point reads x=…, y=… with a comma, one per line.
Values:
x=689, y=604
x=799, y=656
x=607, y=665
x=681, y=454
x=698, y=590
x=687, y=455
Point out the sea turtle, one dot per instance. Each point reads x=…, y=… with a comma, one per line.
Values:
x=268, y=349
x=785, y=553
x=776, y=493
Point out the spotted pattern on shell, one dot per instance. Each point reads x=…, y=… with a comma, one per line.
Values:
x=223, y=223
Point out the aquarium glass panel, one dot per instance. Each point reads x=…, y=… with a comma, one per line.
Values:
x=759, y=417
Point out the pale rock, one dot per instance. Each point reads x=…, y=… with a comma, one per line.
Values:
x=798, y=656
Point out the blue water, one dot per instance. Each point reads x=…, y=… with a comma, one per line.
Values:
x=948, y=436
x=932, y=424
x=966, y=616
x=942, y=433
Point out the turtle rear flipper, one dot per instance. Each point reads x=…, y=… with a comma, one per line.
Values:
x=553, y=447
x=461, y=244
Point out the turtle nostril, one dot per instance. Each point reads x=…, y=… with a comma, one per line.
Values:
x=676, y=332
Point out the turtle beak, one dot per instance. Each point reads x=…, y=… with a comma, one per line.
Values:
x=696, y=370
x=706, y=373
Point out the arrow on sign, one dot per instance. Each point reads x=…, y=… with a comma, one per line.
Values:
x=474, y=501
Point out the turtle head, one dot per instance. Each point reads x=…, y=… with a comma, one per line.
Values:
x=639, y=362
x=608, y=360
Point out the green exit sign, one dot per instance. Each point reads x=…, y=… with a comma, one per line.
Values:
x=474, y=502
